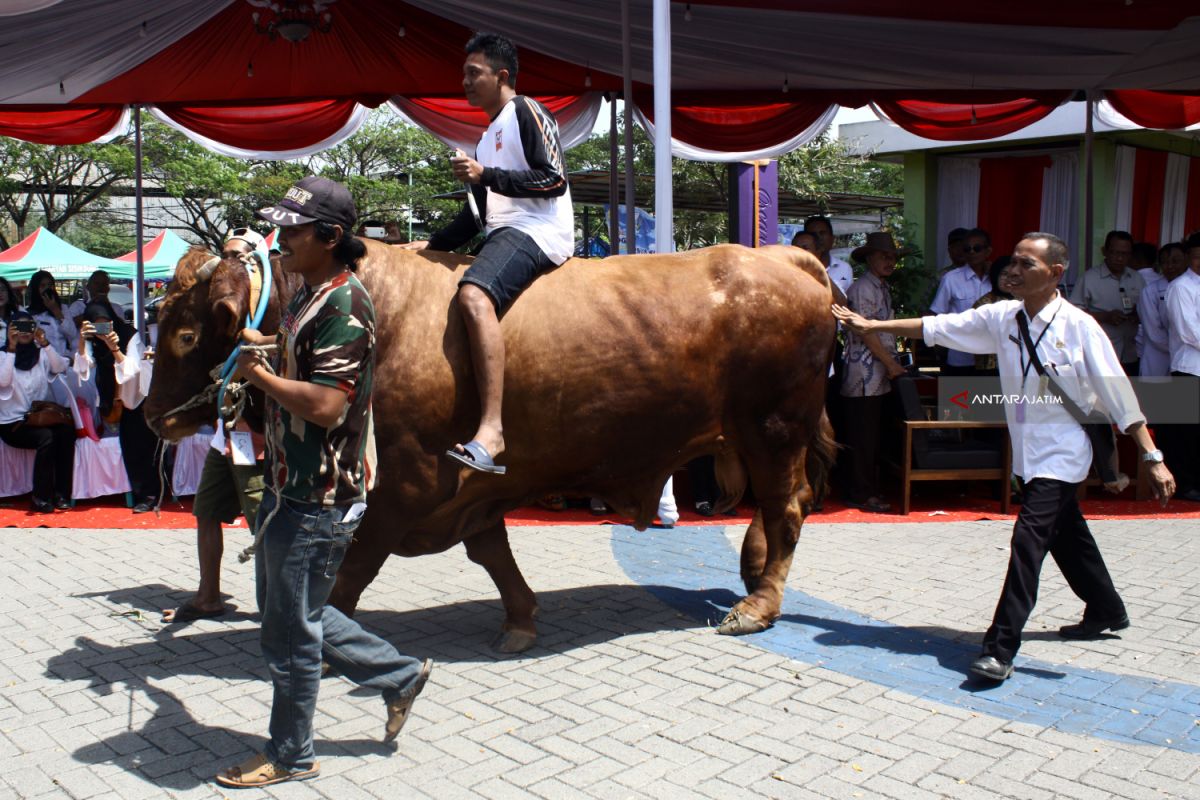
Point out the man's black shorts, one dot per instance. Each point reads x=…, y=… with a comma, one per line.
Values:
x=506, y=265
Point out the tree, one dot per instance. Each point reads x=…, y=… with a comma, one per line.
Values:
x=51, y=185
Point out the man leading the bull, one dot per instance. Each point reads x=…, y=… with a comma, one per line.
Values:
x=1037, y=334
x=518, y=183
x=320, y=463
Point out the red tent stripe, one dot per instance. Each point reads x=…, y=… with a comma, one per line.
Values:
x=1149, y=181
x=58, y=125
x=1191, y=216
x=1010, y=198
x=959, y=122
x=274, y=127
x=19, y=250
x=1166, y=110
x=149, y=249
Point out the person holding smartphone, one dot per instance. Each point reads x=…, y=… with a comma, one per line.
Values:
x=8, y=307
x=111, y=353
x=27, y=363
x=44, y=304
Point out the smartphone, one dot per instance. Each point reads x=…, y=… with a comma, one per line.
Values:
x=372, y=232
x=24, y=325
x=102, y=328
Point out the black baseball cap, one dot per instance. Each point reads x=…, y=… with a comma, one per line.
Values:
x=313, y=199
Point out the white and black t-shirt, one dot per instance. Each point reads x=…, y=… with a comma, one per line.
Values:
x=524, y=183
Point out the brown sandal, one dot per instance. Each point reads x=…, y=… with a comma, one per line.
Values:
x=261, y=771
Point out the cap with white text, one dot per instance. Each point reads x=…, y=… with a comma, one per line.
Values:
x=313, y=199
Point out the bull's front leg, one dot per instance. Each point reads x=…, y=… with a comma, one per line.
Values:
x=490, y=549
x=766, y=559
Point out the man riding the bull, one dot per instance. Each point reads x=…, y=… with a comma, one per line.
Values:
x=518, y=196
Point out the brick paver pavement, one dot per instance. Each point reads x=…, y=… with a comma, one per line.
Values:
x=858, y=692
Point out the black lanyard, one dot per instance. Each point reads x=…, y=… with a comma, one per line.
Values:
x=1025, y=365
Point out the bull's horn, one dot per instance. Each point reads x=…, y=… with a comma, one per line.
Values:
x=205, y=272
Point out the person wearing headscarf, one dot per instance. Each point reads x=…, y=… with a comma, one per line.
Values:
x=42, y=301
x=111, y=353
x=27, y=362
x=8, y=307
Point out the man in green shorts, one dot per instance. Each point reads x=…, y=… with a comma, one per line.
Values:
x=226, y=489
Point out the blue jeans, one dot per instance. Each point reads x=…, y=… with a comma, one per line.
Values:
x=302, y=547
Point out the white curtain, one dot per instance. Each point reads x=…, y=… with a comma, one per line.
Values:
x=1123, y=208
x=1060, y=203
x=681, y=149
x=1175, y=190
x=958, y=200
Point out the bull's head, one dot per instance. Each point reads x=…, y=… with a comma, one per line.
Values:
x=198, y=325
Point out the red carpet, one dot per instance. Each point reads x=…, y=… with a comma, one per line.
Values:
x=109, y=513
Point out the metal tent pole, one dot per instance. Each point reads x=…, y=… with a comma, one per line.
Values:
x=627, y=96
x=1089, y=222
x=139, y=285
x=664, y=228
x=614, y=222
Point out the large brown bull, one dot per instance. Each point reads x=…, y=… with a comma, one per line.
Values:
x=619, y=371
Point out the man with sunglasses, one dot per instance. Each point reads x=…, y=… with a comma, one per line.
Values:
x=961, y=288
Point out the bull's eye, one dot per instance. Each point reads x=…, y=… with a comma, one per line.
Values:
x=188, y=339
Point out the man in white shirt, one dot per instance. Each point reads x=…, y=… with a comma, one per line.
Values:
x=961, y=288
x=841, y=274
x=1051, y=450
x=98, y=284
x=1183, y=341
x=1110, y=292
x=1154, y=357
x=956, y=243
x=518, y=196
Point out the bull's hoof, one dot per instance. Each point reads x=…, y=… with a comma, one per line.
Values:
x=514, y=641
x=739, y=623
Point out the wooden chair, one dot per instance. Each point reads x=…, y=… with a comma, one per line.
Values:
x=923, y=458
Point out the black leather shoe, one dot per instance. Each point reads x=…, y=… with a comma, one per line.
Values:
x=1092, y=628
x=61, y=503
x=705, y=509
x=41, y=506
x=1191, y=495
x=143, y=507
x=991, y=668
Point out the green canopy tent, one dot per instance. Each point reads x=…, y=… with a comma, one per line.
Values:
x=160, y=255
x=43, y=250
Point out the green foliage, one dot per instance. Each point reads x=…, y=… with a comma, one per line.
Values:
x=99, y=234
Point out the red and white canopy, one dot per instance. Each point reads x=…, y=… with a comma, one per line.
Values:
x=749, y=76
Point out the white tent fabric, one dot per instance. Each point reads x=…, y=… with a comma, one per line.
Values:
x=1107, y=115
x=106, y=39
x=681, y=149
x=958, y=198
x=1175, y=198
x=1123, y=208
x=575, y=123
x=351, y=127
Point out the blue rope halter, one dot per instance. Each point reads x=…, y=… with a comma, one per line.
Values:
x=264, y=298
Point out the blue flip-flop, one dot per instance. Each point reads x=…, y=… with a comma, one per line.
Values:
x=477, y=458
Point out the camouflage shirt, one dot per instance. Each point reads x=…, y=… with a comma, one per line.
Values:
x=326, y=337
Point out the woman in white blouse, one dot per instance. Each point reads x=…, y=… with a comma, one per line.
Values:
x=112, y=350
x=8, y=307
x=42, y=301
x=26, y=365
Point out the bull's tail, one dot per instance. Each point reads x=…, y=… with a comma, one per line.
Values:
x=820, y=458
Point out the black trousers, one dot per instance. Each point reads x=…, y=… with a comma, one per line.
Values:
x=1180, y=444
x=862, y=417
x=54, y=461
x=1049, y=522
x=139, y=451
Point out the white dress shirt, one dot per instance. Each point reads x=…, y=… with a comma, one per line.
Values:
x=1183, y=323
x=61, y=335
x=133, y=374
x=20, y=387
x=1153, y=347
x=1047, y=442
x=959, y=290
x=1099, y=289
x=841, y=274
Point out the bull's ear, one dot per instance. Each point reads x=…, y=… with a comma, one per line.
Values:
x=227, y=314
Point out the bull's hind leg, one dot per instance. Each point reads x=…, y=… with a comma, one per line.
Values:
x=784, y=497
x=490, y=549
